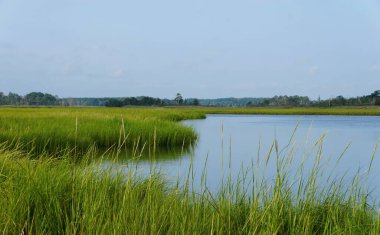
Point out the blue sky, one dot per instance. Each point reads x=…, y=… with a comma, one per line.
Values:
x=200, y=48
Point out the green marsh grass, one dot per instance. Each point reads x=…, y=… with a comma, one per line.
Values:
x=60, y=129
x=362, y=111
x=42, y=195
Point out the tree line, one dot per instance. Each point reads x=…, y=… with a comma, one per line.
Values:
x=150, y=101
x=33, y=98
x=46, y=99
x=134, y=101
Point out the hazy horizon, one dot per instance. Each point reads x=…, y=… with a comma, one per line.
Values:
x=201, y=49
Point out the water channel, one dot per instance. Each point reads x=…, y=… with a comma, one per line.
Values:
x=229, y=145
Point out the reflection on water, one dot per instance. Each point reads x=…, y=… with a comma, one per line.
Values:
x=231, y=143
x=147, y=155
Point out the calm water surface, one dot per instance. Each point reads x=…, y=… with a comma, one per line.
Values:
x=231, y=143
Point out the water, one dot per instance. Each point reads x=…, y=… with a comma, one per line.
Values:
x=231, y=143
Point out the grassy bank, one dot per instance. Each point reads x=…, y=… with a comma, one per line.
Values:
x=364, y=111
x=58, y=129
x=49, y=196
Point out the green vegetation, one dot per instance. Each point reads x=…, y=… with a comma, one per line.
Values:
x=133, y=101
x=365, y=111
x=33, y=98
x=48, y=196
x=59, y=129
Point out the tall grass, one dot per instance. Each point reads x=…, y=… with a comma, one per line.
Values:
x=59, y=129
x=49, y=196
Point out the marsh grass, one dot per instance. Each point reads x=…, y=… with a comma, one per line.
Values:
x=358, y=111
x=59, y=196
x=60, y=129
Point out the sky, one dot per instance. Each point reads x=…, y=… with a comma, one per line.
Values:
x=199, y=48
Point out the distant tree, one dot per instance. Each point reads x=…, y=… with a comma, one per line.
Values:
x=131, y=101
x=338, y=101
x=376, y=93
x=178, y=99
x=39, y=98
x=149, y=101
x=265, y=102
x=49, y=99
x=168, y=102
x=114, y=103
x=196, y=102
x=2, y=98
x=14, y=99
